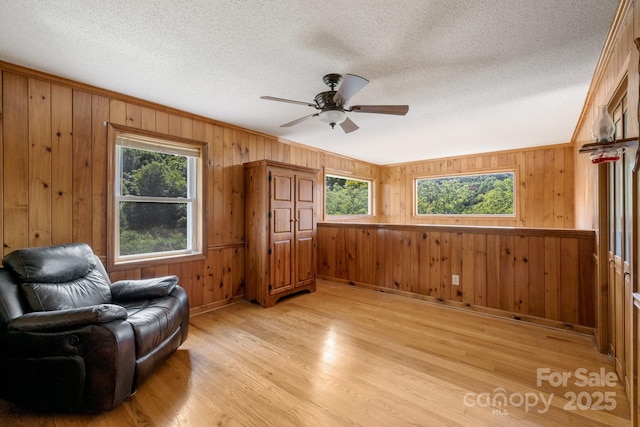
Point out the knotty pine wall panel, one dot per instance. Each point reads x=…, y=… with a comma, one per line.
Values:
x=539, y=275
x=40, y=162
x=15, y=120
x=620, y=61
x=53, y=154
x=544, y=187
x=61, y=156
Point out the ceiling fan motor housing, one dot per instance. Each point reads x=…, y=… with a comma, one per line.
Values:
x=325, y=100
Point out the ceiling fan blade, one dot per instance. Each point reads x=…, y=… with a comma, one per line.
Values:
x=271, y=98
x=348, y=126
x=351, y=84
x=295, y=122
x=398, y=110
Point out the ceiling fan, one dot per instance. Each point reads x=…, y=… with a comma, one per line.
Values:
x=332, y=104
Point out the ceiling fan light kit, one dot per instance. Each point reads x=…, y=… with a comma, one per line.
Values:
x=332, y=103
x=333, y=117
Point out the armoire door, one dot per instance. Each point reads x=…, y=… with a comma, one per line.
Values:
x=305, y=230
x=282, y=231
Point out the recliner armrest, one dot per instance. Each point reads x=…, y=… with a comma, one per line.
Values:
x=41, y=321
x=128, y=290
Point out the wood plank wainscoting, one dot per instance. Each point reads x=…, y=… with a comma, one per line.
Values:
x=544, y=276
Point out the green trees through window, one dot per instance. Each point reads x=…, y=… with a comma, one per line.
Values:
x=347, y=196
x=151, y=220
x=485, y=194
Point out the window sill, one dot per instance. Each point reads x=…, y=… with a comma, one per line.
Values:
x=152, y=262
x=330, y=218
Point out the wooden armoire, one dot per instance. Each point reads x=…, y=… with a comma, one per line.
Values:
x=280, y=230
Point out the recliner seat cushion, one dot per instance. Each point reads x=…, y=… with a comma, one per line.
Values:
x=153, y=321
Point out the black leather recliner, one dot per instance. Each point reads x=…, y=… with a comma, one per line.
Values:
x=72, y=340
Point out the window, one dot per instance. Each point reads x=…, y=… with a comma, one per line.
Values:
x=482, y=194
x=156, y=201
x=347, y=196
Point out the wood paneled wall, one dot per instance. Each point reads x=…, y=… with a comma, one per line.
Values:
x=53, y=185
x=53, y=189
x=619, y=59
x=543, y=276
x=544, y=187
x=617, y=326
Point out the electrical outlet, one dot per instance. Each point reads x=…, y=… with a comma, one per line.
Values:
x=455, y=280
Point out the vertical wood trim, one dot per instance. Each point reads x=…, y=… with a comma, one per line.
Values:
x=218, y=201
x=16, y=161
x=507, y=263
x=434, y=265
x=493, y=271
x=542, y=177
x=175, y=125
x=118, y=112
x=480, y=246
x=559, y=190
x=99, y=182
x=148, y=119
x=521, y=274
x=553, y=278
x=569, y=276
x=424, y=263
x=536, y=279
x=569, y=188
x=39, y=163
x=82, y=229
x=62, y=164
x=133, y=115
x=468, y=282
x=457, y=268
x=446, y=251
x=208, y=282
x=381, y=264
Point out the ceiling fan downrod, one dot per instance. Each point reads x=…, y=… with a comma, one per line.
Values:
x=332, y=80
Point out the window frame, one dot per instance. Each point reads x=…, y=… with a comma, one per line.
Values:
x=197, y=191
x=514, y=215
x=348, y=175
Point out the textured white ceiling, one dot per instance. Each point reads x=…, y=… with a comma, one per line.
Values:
x=478, y=75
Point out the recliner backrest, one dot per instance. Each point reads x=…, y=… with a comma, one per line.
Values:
x=59, y=277
x=49, y=264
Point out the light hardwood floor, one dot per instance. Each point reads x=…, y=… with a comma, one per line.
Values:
x=345, y=356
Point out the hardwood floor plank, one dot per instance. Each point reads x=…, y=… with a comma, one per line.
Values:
x=347, y=356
